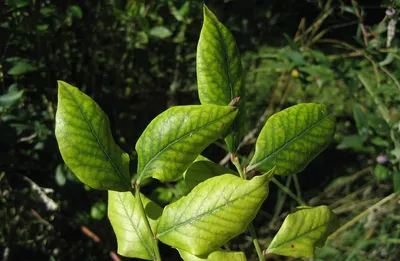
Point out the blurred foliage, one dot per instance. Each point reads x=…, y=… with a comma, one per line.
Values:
x=136, y=58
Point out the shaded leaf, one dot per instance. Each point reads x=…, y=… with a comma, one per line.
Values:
x=160, y=32
x=11, y=97
x=22, y=67
x=214, y=212
x=292, y=138
x=60, y=176
x=202, y=170
x=302, y=231
x=361, y=119
x=98, y=210
x=220, y=76
x=132, y=236
x=86, y=144
x=75, y=11
x=219, y=255
x=172, y=141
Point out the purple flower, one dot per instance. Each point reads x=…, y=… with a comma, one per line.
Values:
x=381, y=159
x=390, y=11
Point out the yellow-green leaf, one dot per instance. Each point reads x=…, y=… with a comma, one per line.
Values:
x=173, y=140
x=219, y=255
x=291, y=138
x=214, y=212
x=219, y=71
x=302, y=231
x=202, y=170
x=132, y=236
x=86, y=144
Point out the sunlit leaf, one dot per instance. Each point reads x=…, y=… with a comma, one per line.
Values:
x=219, y=71
x=292, y=138
x=303, y=231
x=173, y=140
x=214, y=212
x=219, y=255
x=86, y=144
x=132, y=236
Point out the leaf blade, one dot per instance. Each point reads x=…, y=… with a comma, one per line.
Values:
x=219, y=255
x=290, y=148
x=220, y=76
x=214, y=212
x=173, y=140
x=86, y=144
x=302, y=231
x=202, y=170
x=132, y=235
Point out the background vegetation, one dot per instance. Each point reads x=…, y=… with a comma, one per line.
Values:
x=137, y=58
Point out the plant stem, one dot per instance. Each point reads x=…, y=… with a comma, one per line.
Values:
x=287, y=191
x=361, y=215
x=255, y=241
x=142, y=212
x=250, y=227
x=236, y=162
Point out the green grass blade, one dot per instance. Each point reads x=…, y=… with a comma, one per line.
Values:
x=132, y=235
x=86, y=144
x=292, y=138
x=214, y=212
x=302, y=231
x=173, y=140
x=219, y=71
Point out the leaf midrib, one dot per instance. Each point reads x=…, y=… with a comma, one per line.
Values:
x=181, y=137
x=210, y=211
x=289, y=142
x=225, y=54
x=119, y=173
x=136, y=228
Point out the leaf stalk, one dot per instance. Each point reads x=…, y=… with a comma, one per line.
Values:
x=250, y=227
x=156, y=252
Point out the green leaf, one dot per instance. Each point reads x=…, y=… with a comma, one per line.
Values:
x=302, y=231
x=22, y=67
x=351, y=142
x=219, y=255
x=160, y=32
x=176, y=137
x=292, y=138
x=381, y=172
x=132, y=236
x=98, y=210
x=60, y=176
x=75, y=11
x=11, y=97
x=361, y=119
x=220, y=76
x=214, y=212
x=396, y=181
x=202, y=170
x=86, y=145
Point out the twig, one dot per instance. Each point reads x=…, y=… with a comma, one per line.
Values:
x=362, y=26
x=287, y=191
